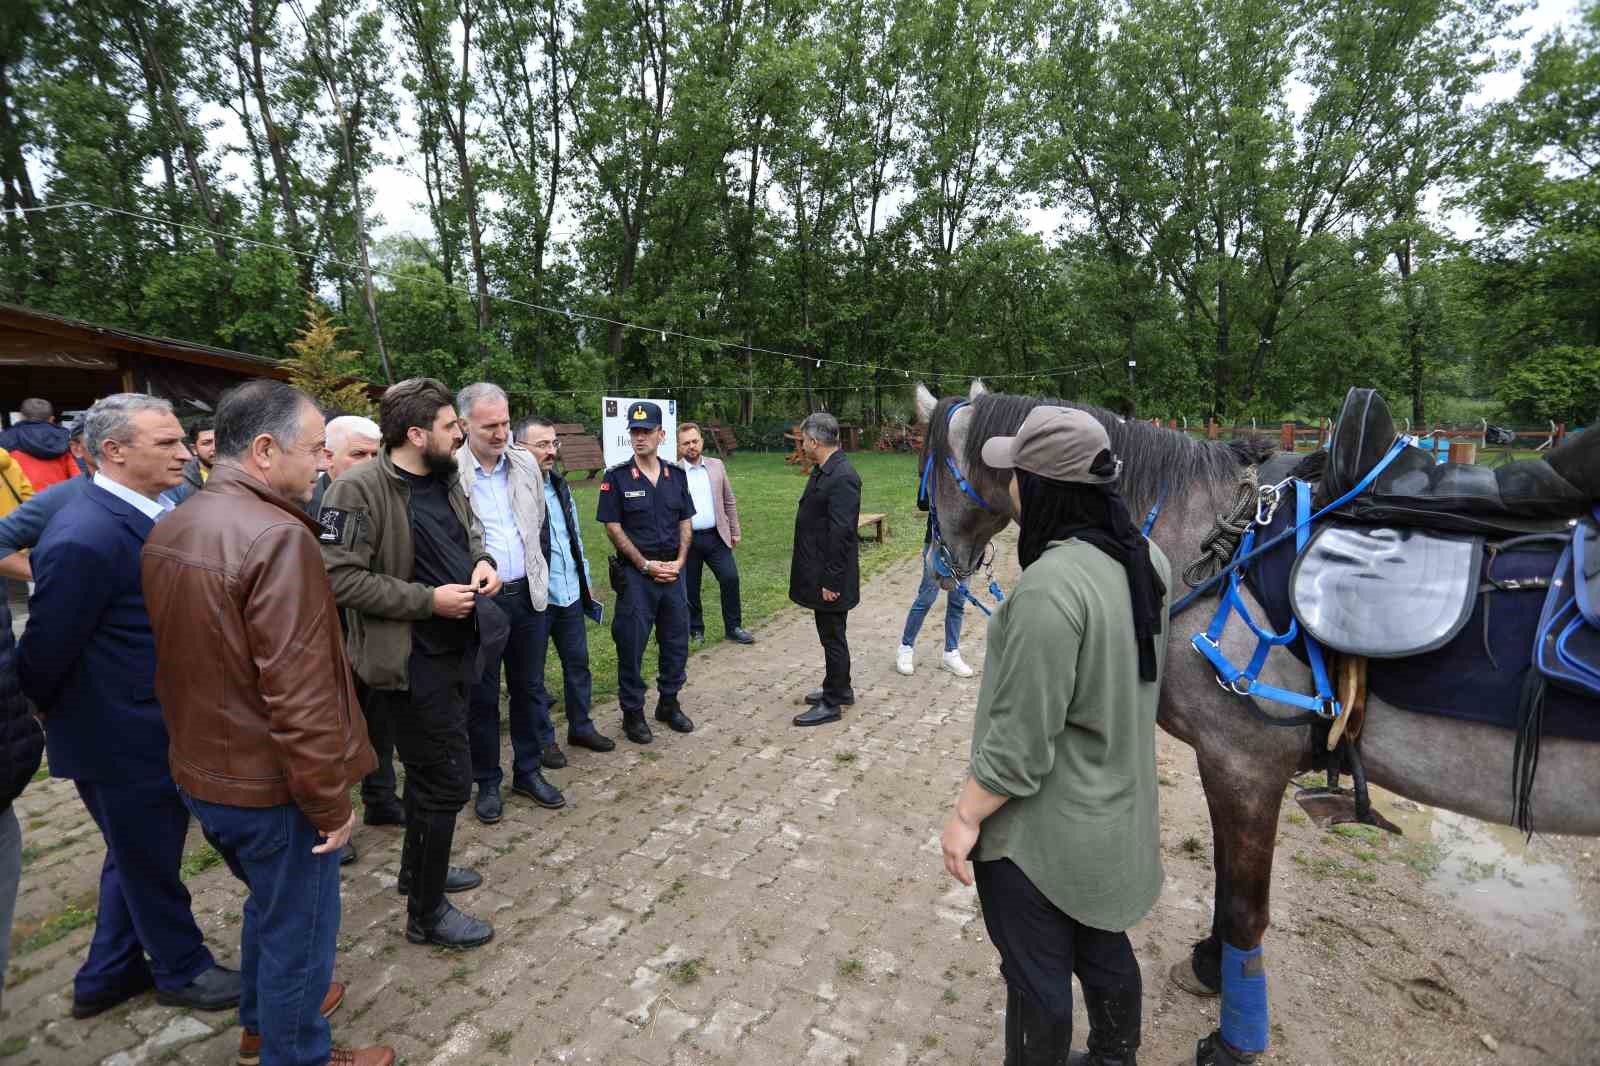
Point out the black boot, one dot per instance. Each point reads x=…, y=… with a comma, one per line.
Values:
x=635, y=728
x=1034, y=1038
x=668, y=711
x=1114, y=1022
x=429, y=917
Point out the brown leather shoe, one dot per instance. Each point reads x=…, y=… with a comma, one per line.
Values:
x=250, y=1043
x=362, y=1056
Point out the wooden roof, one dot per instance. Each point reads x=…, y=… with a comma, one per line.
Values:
x=70, y=343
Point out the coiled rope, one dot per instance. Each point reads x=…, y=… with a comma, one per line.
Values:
x=1222, y=542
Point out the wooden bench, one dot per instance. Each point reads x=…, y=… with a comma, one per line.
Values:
x=879, y=521
x=721, y=438
x=580, y=449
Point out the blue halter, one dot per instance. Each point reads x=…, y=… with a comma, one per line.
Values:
x=943, y=561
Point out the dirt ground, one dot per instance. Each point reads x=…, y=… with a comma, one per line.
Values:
x=758, y=893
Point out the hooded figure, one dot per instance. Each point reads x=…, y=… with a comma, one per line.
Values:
x=40, y=446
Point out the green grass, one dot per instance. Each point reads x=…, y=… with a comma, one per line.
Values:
x=768, y=490
x=13, y=1045
x=53, y=928
x=199, y=861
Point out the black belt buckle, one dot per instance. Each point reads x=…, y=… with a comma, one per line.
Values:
x=513, y=587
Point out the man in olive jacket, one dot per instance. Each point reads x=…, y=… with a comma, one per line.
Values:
x=825, y=573
x=1059, y=812
x=405, y=555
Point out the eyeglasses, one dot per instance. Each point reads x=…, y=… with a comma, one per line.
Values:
x=544, y=445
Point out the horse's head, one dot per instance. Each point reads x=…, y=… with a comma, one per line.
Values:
x=970, y=500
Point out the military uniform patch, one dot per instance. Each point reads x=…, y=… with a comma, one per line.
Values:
x=333, y=522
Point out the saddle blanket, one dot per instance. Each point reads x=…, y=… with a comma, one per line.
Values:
x=1478, y=674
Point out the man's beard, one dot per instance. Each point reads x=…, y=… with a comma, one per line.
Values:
x=439, y=463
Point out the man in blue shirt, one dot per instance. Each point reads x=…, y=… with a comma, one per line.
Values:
x=646, y=508
x=503, y=484
x=571, y=586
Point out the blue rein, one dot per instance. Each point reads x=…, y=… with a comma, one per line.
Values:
x=943, y=561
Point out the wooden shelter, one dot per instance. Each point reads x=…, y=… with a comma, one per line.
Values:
x=72, y=364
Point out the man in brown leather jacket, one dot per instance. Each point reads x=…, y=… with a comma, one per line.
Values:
x=266, y=736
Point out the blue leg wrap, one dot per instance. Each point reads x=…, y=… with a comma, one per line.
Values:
x=1244, y=998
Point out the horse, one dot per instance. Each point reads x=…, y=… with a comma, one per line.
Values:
x=1245, y=766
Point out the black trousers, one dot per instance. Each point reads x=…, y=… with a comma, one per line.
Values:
x=378, y=788
x=430, y=732
x=706, y=548
x=1041, y=947
x=835, y=656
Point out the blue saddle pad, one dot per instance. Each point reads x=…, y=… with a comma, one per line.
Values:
x=1568, y=650
x=1478, y=675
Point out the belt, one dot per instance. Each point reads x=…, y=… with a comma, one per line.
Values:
x=661, y=556
x=511, y=588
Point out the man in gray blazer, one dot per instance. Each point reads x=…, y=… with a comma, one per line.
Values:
x=716, y=534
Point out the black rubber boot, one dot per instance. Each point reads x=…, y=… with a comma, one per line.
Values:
x=1115, y=1016
x=1034, y=1038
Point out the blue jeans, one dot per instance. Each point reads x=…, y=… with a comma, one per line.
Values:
x=528, y=708
x=10, y=874
x=954, y=607
x=572, y=646
x=291, y=924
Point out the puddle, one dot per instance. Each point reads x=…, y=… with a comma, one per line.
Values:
x=1489, y=872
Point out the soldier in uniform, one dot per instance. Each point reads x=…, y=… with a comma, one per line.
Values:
x=646, y=507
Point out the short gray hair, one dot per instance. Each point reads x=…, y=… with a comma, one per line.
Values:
x=344, y=427
x=822, y=428
x=477, y=392
x=256, y=408
x=111, y=417
x=34, y=409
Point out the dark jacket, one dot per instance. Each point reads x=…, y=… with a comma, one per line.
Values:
x=314, y=505
x=88, y=658
x=826, y=549
x=21, y=737
x=192, y=482
x=574, y=538
x=22, y=528
x=365, y=538
x=268, y=715
x=40, y=448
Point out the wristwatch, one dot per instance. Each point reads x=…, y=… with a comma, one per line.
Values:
x=646, y=568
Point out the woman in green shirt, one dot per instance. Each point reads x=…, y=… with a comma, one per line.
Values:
x=1059, y=812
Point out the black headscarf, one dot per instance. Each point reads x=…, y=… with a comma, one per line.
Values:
x=1095, y=514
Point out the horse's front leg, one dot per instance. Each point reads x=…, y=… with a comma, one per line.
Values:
x=1244, y=798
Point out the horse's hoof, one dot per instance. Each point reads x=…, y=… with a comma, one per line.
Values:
x=1184, y=976
x=1214, y=1051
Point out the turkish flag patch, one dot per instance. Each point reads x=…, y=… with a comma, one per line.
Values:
x=605, y=486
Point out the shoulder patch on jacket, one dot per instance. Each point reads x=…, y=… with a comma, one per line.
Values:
x=334, y=523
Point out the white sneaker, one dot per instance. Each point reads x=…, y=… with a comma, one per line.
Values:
x=905, y=660
x=956, y=665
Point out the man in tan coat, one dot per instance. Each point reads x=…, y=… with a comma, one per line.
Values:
x=716, y=534
x=266, y=736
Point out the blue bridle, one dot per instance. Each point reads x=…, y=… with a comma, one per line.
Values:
x=944, y=564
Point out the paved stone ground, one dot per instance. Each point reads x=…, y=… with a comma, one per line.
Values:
x=749, y=893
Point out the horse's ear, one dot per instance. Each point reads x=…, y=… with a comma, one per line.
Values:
x=926, y=402
x=978, y=389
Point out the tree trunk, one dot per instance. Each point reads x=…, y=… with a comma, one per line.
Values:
x=275, y=145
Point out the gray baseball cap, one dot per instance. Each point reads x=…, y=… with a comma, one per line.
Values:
x=1059, y=443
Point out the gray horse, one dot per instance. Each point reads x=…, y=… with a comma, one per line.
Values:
x=1245, y=766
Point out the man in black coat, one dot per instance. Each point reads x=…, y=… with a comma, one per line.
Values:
x=21, y=746
x=825, y=573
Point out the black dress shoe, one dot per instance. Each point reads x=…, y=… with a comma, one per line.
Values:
x=347, y=854
x=669, y=712
x=384, y=814
x=216, y=989
x=450, y=928
x=636, y=729
x=488, y=806
x=552, y=757
x=741, y=635
x=819, y=714
x=137, y=986
x=591, y=739
x=456, y=879
x=817, y=695
x=536, y=788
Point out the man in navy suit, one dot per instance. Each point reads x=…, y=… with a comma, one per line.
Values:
x=87, y=661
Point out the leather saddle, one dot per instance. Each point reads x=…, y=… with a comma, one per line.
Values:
x=1528, y=496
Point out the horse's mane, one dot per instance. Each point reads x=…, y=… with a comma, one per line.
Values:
x=1154, y=459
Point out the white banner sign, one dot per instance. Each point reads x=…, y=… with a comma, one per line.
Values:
x=614, y=428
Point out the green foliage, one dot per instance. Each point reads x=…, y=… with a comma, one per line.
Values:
x=322, y=370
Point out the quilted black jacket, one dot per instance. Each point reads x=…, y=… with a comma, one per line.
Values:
x=21, y=737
